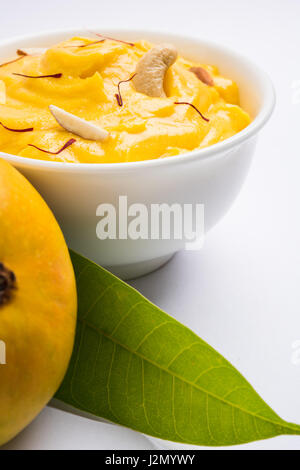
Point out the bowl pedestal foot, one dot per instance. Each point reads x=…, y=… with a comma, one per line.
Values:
x=135, y=270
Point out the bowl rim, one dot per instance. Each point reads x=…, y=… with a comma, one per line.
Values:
x=212, y=152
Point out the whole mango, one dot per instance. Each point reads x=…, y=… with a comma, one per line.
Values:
x=38, y=303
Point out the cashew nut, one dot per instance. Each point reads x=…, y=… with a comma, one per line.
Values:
x=151, y=70
x=78, y=126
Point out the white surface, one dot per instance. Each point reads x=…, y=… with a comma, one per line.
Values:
x=241, y=293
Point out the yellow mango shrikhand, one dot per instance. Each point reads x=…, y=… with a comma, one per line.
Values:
x=104, y=100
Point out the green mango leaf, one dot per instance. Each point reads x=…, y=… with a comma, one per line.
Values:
x=136, y=366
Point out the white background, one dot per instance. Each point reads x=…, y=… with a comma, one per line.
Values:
x=241, y=293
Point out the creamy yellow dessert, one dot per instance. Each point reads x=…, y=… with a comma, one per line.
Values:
x=104, y=101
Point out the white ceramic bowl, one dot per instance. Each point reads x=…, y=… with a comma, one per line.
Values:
x=212, y=176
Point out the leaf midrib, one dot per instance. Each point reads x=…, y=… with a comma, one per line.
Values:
x=284, y=425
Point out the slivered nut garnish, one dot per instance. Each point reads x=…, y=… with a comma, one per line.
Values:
x=31, y=51
x=2, y=92
x=78, y=126
x=203, y=75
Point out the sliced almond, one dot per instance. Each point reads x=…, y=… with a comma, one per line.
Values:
x=31, y=51
x=78, y=126
x=203, y=75
x=2, y=92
